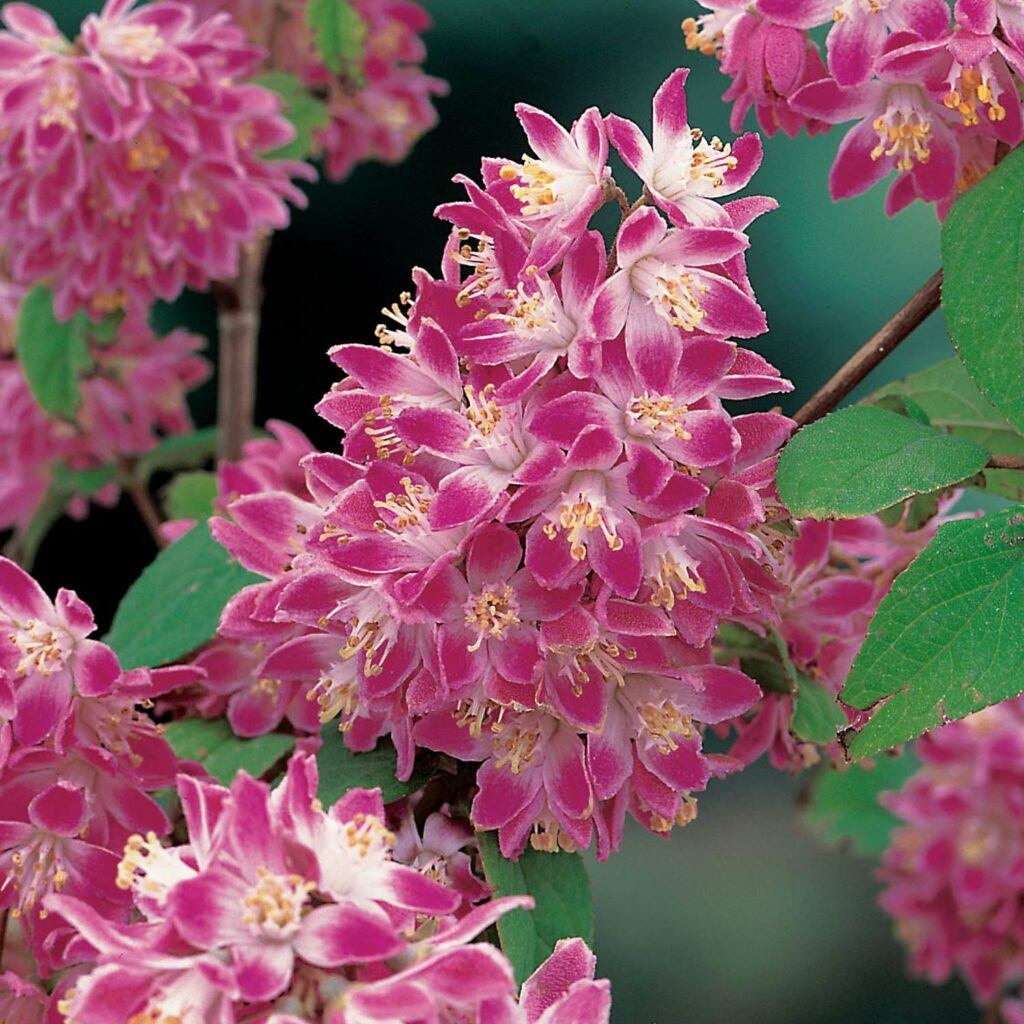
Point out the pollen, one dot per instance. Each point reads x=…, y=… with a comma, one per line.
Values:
x=273, y=907
x=577, y=519
x=490, y=613
x=903, y=135
x=696, y=38
x=147, y=151
x=658, y=414
x=663, y=722
x=970, y=90
x=482, y=412
x=674, y=578
x=537, y=191
x=516, y=747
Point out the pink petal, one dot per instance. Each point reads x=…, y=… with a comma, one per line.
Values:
x=338, y=935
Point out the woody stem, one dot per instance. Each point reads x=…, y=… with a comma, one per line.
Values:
x=238, y=323
x=914, y=312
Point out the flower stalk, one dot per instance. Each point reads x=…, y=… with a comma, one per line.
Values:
x=238, y=324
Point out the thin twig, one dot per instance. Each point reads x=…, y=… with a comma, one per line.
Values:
x=238, y=323
x=143, y=502
x=917, y=309
x=1005, y=462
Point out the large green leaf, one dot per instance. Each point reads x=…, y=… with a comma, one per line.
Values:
x=304, y=110
x=947, y=639
x=983, y=284
x=341, y=770
x=52, y=355
x=340, y=35
x=560, y=888
x=211, y=742
x=844, y=804
x=175, y=605
x=953, y=402
x=863, y=459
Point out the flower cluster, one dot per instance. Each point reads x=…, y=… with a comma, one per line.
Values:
x=132, y=160
x=933, y=97
x=280, y=912
x=379, y=102
x=954, y=871
x=834, y=574
x=542, y=509
x=79, y=757
x=132, y=393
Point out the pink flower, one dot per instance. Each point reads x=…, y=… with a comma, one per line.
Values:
x=558, y=190
x=767, y=53
x=901, y=128
x=667, y=282
x=274, y=898
x=439, y=853
x=133, y=163
x=561, y=991
x=858, y=36
x=955, y=867
x=684, y=171
x=975, y=73
x=45, y=652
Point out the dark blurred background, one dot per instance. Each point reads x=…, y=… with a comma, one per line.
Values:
x=741, y=916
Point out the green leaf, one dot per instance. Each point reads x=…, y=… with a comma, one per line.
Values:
x=304, y=110
x=983, y=284
x=183, y=451
x=52, y=355
x=946, y=640
x=863, y=459
x=816, y=714
x=340, y=35
x=191, y=495
x=341, y=770
x=764, y=658
x=953, y=403
x=844, y=803
x=211, y=742
x=175, y=605
x=560, y=888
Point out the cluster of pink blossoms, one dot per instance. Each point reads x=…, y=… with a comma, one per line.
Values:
x=79, y=756
x=955, y=869
x=132, y=160
x=834, y=575
x=542, y=509
x=380, y=106
x=132, y=394
x=274, y=911
x=279, y=912
x=933, y=96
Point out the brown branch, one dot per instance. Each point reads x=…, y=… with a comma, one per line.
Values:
x=143, y=502
x=238, y=323
x=917, y=309
x=1005, y=462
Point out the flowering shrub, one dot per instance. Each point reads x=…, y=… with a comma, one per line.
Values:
x=336, y=756
x=934, y=97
